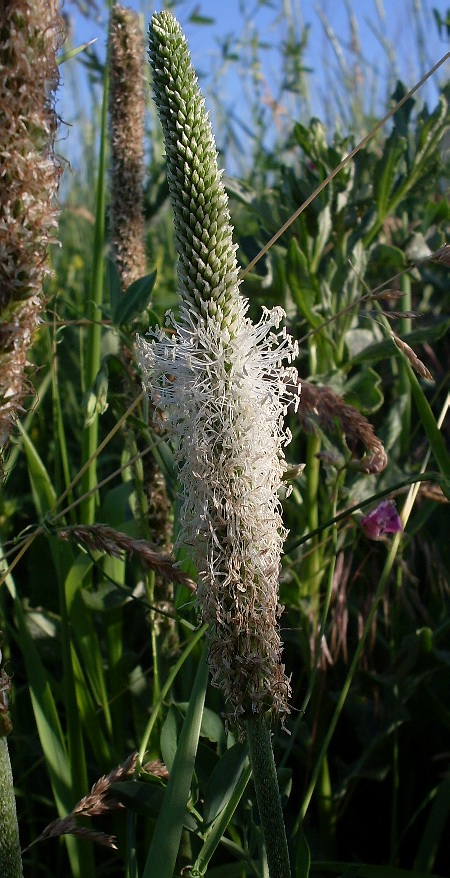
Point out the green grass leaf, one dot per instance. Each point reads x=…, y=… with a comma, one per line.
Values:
x=163, y=850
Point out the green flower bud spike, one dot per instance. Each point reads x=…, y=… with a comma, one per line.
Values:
x=220, y=380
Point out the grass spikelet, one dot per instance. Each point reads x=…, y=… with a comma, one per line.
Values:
x=322, y=407
x=101, y=800
x=412, y=358
x=114, y=543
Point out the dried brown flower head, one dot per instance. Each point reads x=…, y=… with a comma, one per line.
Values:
x=101, y=800
x=105, y=539
x=322, y=407
x=30, y=35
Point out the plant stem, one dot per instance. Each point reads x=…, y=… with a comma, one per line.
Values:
x=10, y=856
x=313, y=560
x=404, y=386
x=94, y=310
x=268, y=796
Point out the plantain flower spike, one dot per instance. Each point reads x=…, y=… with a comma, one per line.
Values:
x=126, y=123
x=30, y=35
x=220, y=380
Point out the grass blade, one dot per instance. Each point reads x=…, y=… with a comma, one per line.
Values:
x=163, y=851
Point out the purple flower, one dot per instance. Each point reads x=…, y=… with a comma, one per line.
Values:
x=384, y=519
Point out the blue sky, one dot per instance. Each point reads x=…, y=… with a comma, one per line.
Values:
x=397, y=39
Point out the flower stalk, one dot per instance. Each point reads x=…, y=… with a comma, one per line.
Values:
x=30, y=36
x=224, y=402
x=221, y=382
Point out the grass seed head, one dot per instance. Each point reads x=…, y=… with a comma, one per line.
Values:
x=126, y=123
x=30, y=36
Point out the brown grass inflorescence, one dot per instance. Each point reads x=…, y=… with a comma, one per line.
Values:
x=323, y=408
x=30, y=36
x=126, y=122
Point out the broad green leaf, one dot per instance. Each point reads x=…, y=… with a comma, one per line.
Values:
x=95, y=399
x=364, y=391
x=359, y=340
x=196, y=18
x=90, y=717
x=386, y=348
x=141, y=797
x=72, y=53
x=324, y=228
x=134, y=300
x=386, y=256
x=222, y=781
x=106, y=597
x=431, y=129
x=214, y=834
x=44, y=495
x=304, y=139
x=146, y=798
x=84, y=632
x=299, y=280
x=403, y=115
x=46, y=716
x=212, y=726
x=169, y=736
x=115, y=508
x=434, y=435
x=165, y=843
x=387, y=172
x=303, y=857
x=114, y=285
